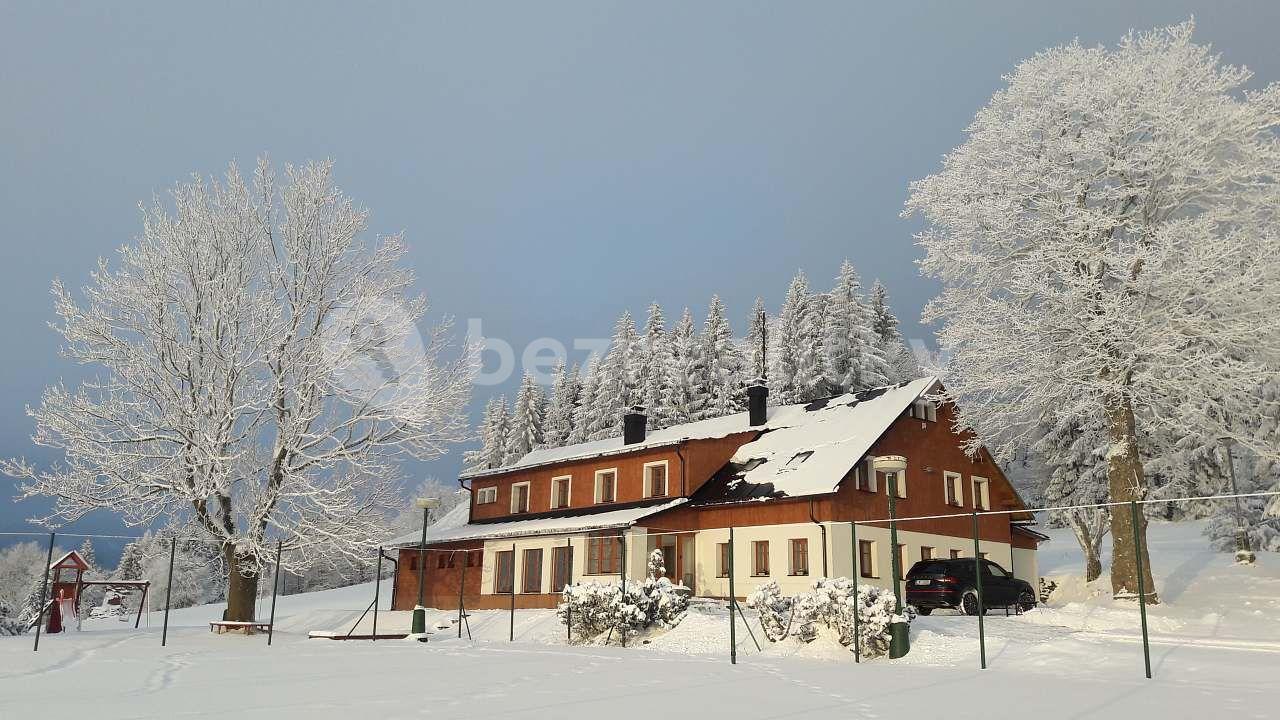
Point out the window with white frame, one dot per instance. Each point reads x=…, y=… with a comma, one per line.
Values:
x=952, y=487
x=486, y=495
x=520, y=498
x=867, y=559
x=606, y=485
x=560, y=491
x=981, y=493
x=655, y=479
x=923, y=410
x=901, y=483
x=864, y=476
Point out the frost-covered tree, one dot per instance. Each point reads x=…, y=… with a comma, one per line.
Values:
x=1073, y=452
x=655, y=361
x=495, y=433
x=798, y=369
x=409, y=520
x=1106, y=241
x=130, y=565
x=755, y=348
x=721, y=376
x=902, y=363
x=852, y=351
x=684, y=403
x=260, y=376
x=617, y=388
x=526, y=420
x=20, y=565
x=558, y=425
x=582, y=414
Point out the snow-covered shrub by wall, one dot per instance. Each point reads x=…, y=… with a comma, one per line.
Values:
x=828, y=608
x=10, y=625
x=592, y=609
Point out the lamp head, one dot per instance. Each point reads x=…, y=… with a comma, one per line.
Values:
x=890, y=463
x=429, y=503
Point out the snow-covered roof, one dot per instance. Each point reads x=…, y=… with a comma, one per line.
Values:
x=811, y=447
x=547, y=525
x=778, y=417
x=453, y=519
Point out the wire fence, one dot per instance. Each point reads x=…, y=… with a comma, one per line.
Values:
x=486, y=570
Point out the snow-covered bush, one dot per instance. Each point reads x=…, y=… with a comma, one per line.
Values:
x=829, y=606
x=775, y=610
x=657, y=564
x=10, y=625
x=591, y=609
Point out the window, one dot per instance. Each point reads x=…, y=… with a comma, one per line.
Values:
x=504, y=577
x=445, y=560
x=606, y=485
x=475, y=558
x=722, y=564
x=520, y=498
x=604, y=557
x=900, y=482
x=760, y=558
x=955, y=555
x=532, y=571
x=953, y=489
x=923, y=410
x=561, y=567
x=560, y=487
x=486, y=495
x=981, y=493
x=867, y=558
x=655, y=479
x=799, y=458
x=926, y=552
x=995, y=570
x=864, y=477
x=799, y=556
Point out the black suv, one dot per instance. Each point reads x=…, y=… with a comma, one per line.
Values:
x=950, y=584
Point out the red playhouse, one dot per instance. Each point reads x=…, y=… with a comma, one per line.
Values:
x=67, y=584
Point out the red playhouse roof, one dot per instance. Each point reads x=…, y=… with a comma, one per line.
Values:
x=70, y=561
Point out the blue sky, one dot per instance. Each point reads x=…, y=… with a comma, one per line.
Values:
x=551, y=164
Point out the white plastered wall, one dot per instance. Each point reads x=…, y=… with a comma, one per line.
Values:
x=636, y=559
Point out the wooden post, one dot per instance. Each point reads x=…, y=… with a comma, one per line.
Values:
x=462, y=583
x=512, y=636
x=857, y=601
x=44, y=590
x=622, y=540
x=1142, y=590
x=168, y=592
x=568, y=618
x=733, y=621
x=275, y=587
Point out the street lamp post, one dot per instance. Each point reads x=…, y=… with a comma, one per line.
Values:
x=899, y=632
x=419, y=627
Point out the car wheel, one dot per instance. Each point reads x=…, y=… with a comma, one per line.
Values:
x=923, y=611
x=969, y=602
x=1027, y=600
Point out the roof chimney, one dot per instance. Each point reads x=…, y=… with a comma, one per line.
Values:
x=633, y=425
x=757, y=402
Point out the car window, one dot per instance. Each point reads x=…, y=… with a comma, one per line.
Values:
x=995, y=570
x=928, y=568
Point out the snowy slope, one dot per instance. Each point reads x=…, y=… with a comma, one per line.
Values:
x=1216, y=652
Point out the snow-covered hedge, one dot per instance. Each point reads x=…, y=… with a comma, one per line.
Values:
x=592, y=609
x=828, y=606
x=9, y=624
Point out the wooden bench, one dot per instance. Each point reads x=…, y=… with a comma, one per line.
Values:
x=248, y=628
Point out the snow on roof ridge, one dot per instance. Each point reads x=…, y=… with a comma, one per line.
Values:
x=604, y=519
x=779, y=416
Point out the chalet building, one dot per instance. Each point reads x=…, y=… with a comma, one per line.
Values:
x=788, y=479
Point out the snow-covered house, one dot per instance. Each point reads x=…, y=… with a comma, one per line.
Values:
x=788, y=480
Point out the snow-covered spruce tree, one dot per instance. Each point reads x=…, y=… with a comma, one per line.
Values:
x=586, y=398
x=1106, y=241
x=1073, y=451
x=557, y=426
x=260, y=376
x=903, y=366
x=852, y=352
x=495, y=432
x=798, y=366
x=654, y=373
x=617, y=389
x=755, y=346
x=526, y=420
x=723, y=381
x=20, y=564
x=684, y=403
x=130, y=565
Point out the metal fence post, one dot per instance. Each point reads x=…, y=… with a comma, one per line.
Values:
x=168, y=592
x=275, y=590
x=1142, y=590
x=622, y=540
x=512, y=632
x=377, y=594
x=462, y=583
x=857, y=599
x=982, y=610
x=568, y=607
x=44, y=590
x=733, y=622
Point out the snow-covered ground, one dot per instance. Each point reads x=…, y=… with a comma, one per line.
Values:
x=1215, y=651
